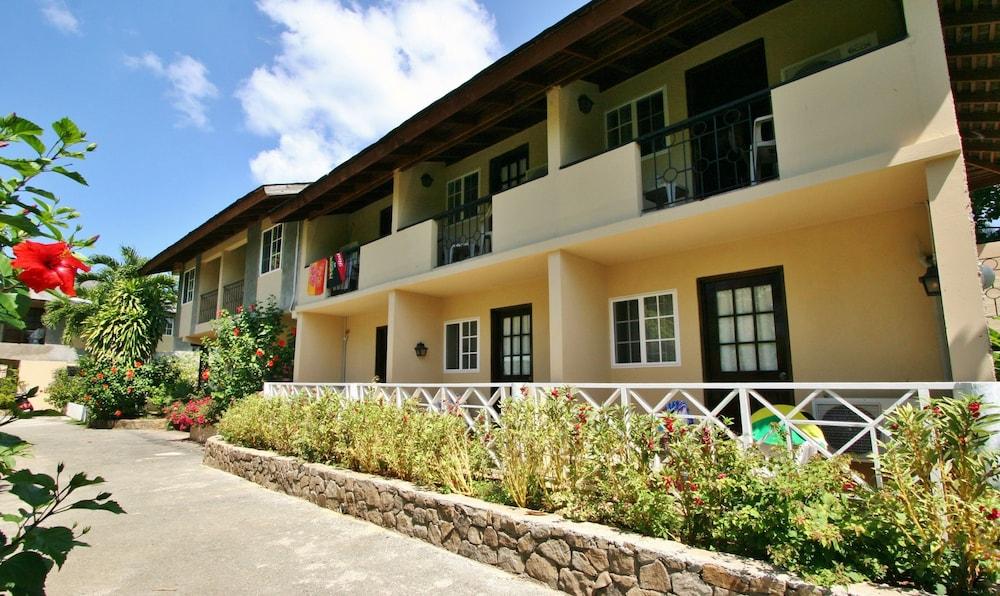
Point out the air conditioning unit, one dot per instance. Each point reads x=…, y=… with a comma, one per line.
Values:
x=830, y=409
x=828, y=58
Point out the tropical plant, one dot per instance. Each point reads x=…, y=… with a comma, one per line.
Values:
x=985, y=212
x=249, y=348
x=937, y=520
x=183, y=415
x=34, y=546
x=123, y=312
x=113, y=391
x=66, y=388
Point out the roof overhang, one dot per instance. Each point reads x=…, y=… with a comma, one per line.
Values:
x=237, y=216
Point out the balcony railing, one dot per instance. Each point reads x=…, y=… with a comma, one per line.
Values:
x=344, y=269
x=232, y=296
x=465, y=231
x=729, y=147
x=827, y=419
x=208, y=304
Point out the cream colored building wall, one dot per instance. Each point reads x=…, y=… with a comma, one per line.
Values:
x=479, y=305
x=362, y=225
x=414, y=318
x=404, y=253
x=319, y=348
x=361, y=345
x=580, y=348
x=39, y=373
x=856, y=311
x=598, y=191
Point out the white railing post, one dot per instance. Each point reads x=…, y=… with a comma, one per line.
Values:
x=747, y=436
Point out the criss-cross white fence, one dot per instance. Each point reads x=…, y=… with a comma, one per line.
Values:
x=850, y=416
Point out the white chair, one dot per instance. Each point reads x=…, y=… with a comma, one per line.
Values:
x=764, y=151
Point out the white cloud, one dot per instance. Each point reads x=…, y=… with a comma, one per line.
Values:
x=190, y=88
x=347, y=73
x=59, y=16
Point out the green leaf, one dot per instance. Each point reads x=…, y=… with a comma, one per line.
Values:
x=67, y=131
x=32, y=494
x=40, y=192
x=70, y=174
x=29, y=477
x=93, y=505
x=55, y=542
x=20, y=222
x=80, y=480
x=24, y=573
x=24, y=167
x=34, y=142
x=13, y=125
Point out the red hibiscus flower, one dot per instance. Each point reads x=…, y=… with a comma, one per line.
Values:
x=118, y=413
x=204, y=375
x=138, y=363
x=260, y=353
x=239, y=309
x=129, y=374
x=236, y=331
x=281, y=343
x=974, y=409
x=270, y=363
x=47, y=266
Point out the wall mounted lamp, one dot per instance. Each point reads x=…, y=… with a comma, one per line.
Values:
x=585, y=104
x=426, y=180
x=931, y=281
x=420, y=349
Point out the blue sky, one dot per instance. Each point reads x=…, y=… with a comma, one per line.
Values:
x=194, y=103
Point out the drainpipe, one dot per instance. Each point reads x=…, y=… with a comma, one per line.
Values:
x=343, y=356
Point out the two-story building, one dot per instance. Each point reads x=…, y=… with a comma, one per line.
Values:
x=646, y=192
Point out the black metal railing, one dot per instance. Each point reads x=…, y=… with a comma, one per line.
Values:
x=729, y=147
x=465, y=231
x=343, y=271
x=208, y=303
x=232, y=296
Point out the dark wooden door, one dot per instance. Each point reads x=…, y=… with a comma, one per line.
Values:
x=512, y=358
x=509, y=169
x=381, y=352
x=744, y=333
x=720, y=145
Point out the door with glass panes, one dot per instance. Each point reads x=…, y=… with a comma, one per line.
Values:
x=745, y=333
x=511, y=347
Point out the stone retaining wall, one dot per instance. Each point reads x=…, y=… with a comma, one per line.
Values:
x=578, y=558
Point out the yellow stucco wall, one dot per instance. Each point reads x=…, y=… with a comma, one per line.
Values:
x=855, y=308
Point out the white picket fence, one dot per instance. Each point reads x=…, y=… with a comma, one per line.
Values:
x=851, y=416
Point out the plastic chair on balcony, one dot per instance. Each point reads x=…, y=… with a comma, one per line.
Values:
x=764, y=153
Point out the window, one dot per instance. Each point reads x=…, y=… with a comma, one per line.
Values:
x=509, y=170
x=461, y=346
x=187, y=286
x=168, y=329
x=385, y=222
x=635, y=119
x=462, y=191
x=644, y=330
x=270, y=250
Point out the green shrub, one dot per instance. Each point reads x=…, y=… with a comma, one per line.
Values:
x=66, y=388
x=406, y=442
x=122, y=390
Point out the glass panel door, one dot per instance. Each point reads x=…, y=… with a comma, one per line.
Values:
x=512, y=350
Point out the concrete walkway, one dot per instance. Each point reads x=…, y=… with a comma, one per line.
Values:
x=196, y=530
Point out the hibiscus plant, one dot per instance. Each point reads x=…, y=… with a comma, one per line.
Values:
x=27, y=211
x=34, y=546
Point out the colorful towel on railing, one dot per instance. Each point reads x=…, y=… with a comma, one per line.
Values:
x=341, y=264
x=317, y=278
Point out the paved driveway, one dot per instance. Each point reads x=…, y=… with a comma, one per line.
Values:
x=195, y=530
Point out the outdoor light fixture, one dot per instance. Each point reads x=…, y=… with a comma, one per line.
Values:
x=426, y=180
x=420, y=349
x=931, y=281
x=585, y=104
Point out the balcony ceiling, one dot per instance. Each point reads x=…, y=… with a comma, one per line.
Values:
x=972, y=41
x=605, y=42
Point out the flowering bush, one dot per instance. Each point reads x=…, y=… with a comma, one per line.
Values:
x=250, y=347
x=182, y=416
x=121, y=390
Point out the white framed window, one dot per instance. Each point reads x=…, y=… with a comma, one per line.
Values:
x=644, y=330
x=635, y=119
x=462, y=191
x=187, y=286
x=168, y=329
x=461, y=346
x=270, y=249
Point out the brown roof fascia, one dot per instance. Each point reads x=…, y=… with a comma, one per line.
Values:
x=535, y=51
x=165, y=260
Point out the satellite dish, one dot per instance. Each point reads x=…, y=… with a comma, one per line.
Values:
x=987, y=275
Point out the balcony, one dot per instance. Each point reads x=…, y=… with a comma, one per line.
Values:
x=208, y=304
x=465, y=231
x=410, y=251
x=232, y=296
x=730, y=147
